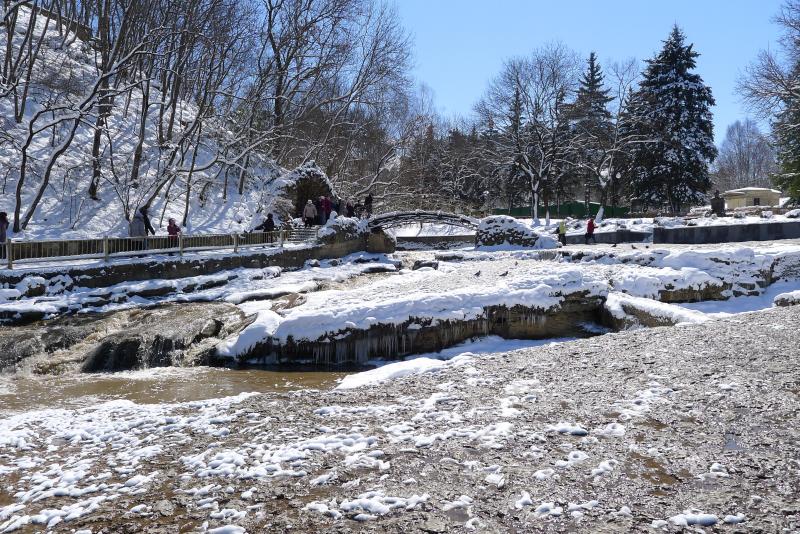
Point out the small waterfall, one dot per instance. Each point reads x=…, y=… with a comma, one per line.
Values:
x=353, y=347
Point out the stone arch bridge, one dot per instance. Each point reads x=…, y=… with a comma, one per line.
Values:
x=404, y=218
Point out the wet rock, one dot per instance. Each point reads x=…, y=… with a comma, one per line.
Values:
x=21, y=317
x=151, y=292
x=176, y=334
x=163, y=336
x=379, y=268
x=419, y=264
x=449, y=256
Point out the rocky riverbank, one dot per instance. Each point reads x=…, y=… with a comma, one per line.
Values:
x=658, y=428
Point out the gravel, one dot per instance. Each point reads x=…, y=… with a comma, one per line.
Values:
x=658, y=428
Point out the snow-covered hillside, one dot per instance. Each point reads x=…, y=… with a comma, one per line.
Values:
x=183, y=163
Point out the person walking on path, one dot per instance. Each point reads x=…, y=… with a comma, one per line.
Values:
x=173, y=230
x=590, y=226
x=139, y=227
x=3, y=233
x=562, y=232
x=309, y=213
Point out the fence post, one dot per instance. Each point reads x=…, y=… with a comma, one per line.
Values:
x=180, y=244
x=105, y=248
x=9, y=253
x=235, y=243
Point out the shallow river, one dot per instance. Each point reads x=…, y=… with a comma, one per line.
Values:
x=158, y=385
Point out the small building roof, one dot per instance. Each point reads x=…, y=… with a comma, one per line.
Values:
x=745, y=190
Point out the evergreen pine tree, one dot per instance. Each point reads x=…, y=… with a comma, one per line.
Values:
x=592, y=120
x=673, y=112
x=590, y=110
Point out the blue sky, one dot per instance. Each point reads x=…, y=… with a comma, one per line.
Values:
x=461, y=44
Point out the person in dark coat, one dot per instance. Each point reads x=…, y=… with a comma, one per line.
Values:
x=328, y=207
x=267, y=226
x=351, y=210
x=368, y=205
x=320, y=206
x=590, y=227
x=3, y=233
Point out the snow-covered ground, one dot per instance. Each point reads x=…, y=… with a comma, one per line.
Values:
x=467, y=282
x=552, y=431
x=655, y=429
x=234, y=286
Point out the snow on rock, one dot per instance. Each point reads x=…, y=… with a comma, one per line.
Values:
x=499, y=230
x=428, y=297
x=690, y=518
x=367, y=506
x=346, y=227
x=629, y=311
x=399, y=369
x=791, y=298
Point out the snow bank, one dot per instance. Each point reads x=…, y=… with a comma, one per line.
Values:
x=331, y=312
x=427, y=363
x=500, y=230
x=350, y=227
x=649, y=312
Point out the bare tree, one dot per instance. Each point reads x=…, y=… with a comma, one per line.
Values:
x=603, y=150
x=527, y=103
x=745, y=158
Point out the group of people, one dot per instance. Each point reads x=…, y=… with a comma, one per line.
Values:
x=140, y=226
x=314, y=213
x=319, y=211
x=589, y=235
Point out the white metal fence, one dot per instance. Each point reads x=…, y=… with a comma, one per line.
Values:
x=114, y=247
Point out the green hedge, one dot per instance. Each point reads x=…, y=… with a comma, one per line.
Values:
x=567, y=209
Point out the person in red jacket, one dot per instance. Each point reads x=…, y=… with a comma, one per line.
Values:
x=590, y=226
x=174, y=231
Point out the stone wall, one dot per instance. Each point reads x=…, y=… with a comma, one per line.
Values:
x=697, y=235
x=620, y=236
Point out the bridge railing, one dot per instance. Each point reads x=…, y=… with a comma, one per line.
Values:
x=401, y=218
x=106, y=248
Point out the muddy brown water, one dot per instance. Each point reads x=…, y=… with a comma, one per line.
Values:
x=21, y=392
